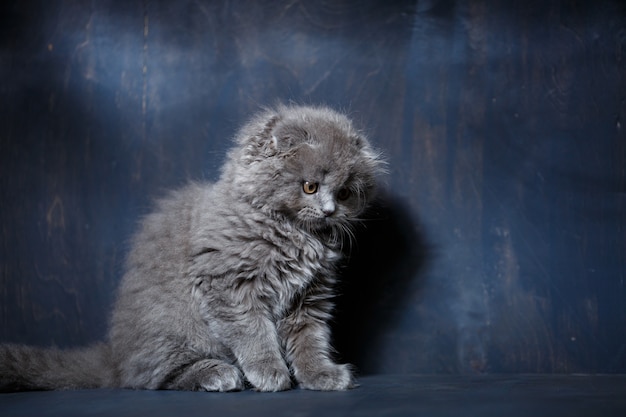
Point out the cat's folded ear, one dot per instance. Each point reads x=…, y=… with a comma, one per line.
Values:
x=288, y=138
x=258, y=136
x=279, y=138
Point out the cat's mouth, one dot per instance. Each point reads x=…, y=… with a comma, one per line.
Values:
x=317, y=222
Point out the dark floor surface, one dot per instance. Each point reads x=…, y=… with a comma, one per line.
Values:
x=382, y=395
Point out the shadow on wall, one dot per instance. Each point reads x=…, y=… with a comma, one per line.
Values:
x=383, y=269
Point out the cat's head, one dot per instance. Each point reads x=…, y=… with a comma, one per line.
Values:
x=306, y=164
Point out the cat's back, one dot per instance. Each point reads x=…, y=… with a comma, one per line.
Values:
x=188, y=223
x=163, y=235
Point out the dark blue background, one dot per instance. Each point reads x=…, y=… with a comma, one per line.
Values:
x=499, y=245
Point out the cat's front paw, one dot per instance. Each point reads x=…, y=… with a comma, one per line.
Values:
x=208, y=375
x=269, y=377
x=330, y=377
x=222, y=377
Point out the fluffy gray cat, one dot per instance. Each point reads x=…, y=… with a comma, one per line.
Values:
x=231, y=282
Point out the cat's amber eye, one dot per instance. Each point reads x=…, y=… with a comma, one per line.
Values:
x=343, y=194
x=309, y=187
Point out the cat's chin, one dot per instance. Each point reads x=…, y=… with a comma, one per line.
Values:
x=327, y=227
x=313, y=226
x=316, y=226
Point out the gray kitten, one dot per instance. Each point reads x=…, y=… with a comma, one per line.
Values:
x=232, y=281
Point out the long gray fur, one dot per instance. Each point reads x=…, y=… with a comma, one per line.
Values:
x=231, y=283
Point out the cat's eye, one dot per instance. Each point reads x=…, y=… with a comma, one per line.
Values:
x=343, y=194
x=309, y=187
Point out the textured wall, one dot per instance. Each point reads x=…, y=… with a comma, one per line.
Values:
x=500, y=245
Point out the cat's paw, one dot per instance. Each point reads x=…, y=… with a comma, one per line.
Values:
x=330, y=377
x=208, y=375
x=222, y=377
x=269, y=377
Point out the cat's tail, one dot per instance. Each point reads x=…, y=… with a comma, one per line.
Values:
x=26, y=368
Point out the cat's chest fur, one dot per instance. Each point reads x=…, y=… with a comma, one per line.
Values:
x=248, y=259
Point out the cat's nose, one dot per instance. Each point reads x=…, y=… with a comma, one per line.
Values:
x=328, y=209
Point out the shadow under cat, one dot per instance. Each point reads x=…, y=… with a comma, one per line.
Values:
x=383, y=269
